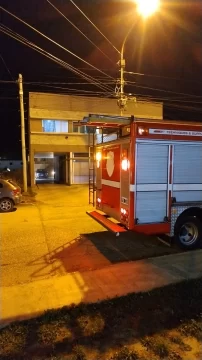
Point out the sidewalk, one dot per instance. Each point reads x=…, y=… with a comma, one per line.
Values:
x=29, y=300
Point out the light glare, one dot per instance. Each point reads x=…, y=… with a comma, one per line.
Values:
x=147, y=7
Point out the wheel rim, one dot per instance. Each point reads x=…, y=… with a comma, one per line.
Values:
x=188, y=234
x=6, y=205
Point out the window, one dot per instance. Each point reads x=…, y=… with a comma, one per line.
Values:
x=76, y=128
x=55, y=126
x=79, y=129
x=83, y=130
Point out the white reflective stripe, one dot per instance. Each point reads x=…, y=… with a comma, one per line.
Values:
x=114, y=184
x=188, y=187
x=132, y=188
x=150, y=187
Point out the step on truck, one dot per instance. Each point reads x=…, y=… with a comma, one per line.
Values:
x=148, y=176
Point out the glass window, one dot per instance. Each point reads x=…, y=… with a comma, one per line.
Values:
x=76, y=128
x=79, y=129
x=55, y=126
x=83, y=130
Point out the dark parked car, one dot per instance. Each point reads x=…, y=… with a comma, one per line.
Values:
x=41, y=174
x=10, y=195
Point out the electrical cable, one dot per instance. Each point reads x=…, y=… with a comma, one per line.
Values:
x=97, y=47
x=23, y=40
x=65, y=88
x=55, y=42
x=161, y=90
x=8, y=70
x=78, y=8
x=159, y=76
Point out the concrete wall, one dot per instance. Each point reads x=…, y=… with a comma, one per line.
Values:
x=59, y=139
x=68, y=107
x=35, y=125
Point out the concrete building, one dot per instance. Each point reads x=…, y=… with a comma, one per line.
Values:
x=59, y=146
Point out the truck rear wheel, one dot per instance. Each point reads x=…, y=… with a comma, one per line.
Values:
x=188, y=232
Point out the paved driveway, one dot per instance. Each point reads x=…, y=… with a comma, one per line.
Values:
x=54, y=236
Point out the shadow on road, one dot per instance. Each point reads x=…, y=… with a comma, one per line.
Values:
x=98, y=250
x=13, y=210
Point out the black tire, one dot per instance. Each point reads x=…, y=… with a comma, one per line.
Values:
x=6, y=205
x=188, y=232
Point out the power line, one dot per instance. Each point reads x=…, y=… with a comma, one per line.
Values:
x=54, y=42
x=6, y=66
x=160, y=76
x=8, y=98
x=66, y=88
x=161, y=90
x=23, y=40
x=61, y=13
x=94, y=26
x=8, y=81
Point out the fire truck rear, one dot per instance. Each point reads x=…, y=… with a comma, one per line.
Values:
x=149, y=177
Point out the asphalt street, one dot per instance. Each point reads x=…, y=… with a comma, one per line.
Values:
x=53, y=236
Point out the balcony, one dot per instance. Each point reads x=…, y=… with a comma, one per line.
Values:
x=59, y=141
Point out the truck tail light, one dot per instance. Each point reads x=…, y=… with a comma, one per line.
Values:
x=124, y=215
x=98, y=158
x=99, y=202
x=125, y=164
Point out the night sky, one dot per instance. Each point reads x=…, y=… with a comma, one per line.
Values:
x=167, y=49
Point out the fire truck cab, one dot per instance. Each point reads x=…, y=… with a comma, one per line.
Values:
x=148, y=177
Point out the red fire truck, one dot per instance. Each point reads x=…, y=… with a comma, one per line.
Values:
x=149, y=177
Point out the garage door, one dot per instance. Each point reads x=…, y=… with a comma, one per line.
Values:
x=187, y=173
x=151, y=183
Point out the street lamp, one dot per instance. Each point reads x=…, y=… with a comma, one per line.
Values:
x=145, y=8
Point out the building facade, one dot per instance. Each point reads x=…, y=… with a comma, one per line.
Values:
x=60, y=147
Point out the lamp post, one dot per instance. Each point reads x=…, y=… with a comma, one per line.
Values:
x=145, y=8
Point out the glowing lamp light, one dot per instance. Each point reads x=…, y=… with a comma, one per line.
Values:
x=99, y=200
x=147, y=8
x=141, y=131
x=98, y=156
x=125, y=165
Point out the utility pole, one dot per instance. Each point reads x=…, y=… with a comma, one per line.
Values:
x=24, y=160
x=122, y=97
x=122, y=100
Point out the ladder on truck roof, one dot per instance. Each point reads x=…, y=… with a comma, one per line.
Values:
x=105, y=120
